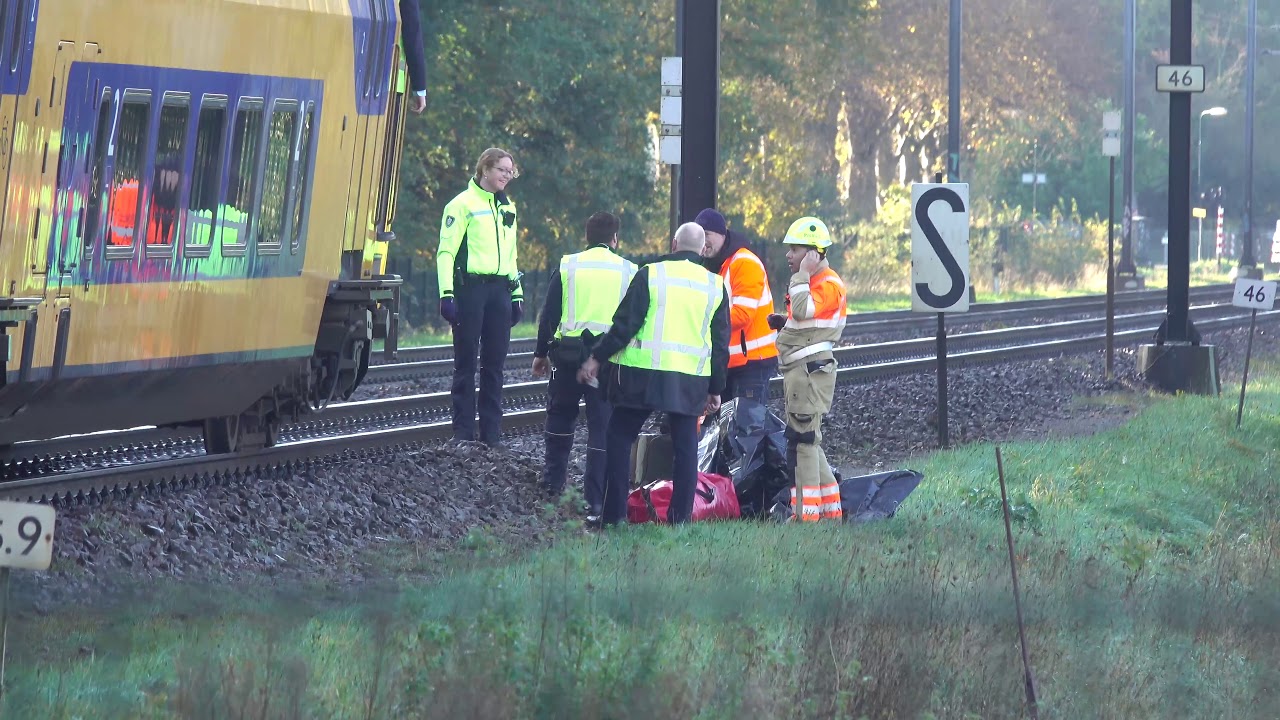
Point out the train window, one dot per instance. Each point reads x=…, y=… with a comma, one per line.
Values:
x=96, y=200
x=246, y=144
x=130, y=158
x=275, y=181
x=206, y=171
x=166, y=182
x=302, y=181
x=4, y=23
x=18, y=39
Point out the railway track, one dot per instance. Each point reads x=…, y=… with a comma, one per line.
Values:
x=105, y=465
x=398, y=372
x=884, y=321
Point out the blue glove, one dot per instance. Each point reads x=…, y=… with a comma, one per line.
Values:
x=448, y=310
x=517, y=312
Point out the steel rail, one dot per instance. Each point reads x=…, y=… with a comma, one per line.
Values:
x=881, y=321
x=398, y=372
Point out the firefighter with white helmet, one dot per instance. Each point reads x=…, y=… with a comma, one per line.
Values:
x=806, y=336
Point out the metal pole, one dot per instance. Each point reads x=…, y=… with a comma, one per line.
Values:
x=1035, y=178
x=1028, y=675
x=1179, y=321
x=942, y=380
x=1248, y=351
x=1111, y=264
x=1199, y=150
x=700, y=107
x=675, y=169
x=953, y=175
x=942, y=368
x=953, y=94
x=1126, y=229
x=1200, y=239
x=1251, y=59
x=4, y=624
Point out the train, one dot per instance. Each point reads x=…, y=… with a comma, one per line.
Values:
x=197, y=212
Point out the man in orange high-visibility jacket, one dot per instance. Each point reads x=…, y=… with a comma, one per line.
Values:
x=124, y=213
x=815, y=321
x=753, y=350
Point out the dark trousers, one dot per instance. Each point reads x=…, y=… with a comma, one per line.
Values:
x=751, y=380
x=624, y=427
x=563, y=394
x=484, y=320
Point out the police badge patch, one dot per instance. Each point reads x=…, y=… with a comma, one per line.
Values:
x=448, y=221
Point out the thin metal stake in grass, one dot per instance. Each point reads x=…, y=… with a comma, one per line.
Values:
x=4, y=623
x=1248, y=351
x=1029, y=678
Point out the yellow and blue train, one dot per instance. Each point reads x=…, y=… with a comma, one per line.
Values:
x=196, y=211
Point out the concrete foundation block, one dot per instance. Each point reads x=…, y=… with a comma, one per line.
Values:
x=1181, y=368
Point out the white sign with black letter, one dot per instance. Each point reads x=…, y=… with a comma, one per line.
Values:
x=1254, y=294
x=26, y=535
x=940, y=247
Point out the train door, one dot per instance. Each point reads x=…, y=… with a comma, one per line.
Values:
x=81, y=129
x=64, y=102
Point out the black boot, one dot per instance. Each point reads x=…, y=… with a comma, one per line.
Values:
x=593, y=482
x=556, y=472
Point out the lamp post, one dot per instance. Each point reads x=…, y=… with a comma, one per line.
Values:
x=1214, y=112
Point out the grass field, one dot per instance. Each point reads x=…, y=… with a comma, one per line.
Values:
x=1146, y=556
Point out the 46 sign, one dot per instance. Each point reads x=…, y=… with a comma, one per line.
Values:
x=26, y=535
x=1180, y=78
x=1254, y=294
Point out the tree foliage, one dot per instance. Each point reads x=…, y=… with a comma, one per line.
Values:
x=827, y=107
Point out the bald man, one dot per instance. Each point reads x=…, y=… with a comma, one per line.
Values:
x=669, y=349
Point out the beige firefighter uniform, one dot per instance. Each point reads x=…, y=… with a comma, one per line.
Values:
x=815, y=321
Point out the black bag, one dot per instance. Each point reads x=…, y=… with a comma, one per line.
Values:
x=756, y=478
x=571, y=352
x=863, y=498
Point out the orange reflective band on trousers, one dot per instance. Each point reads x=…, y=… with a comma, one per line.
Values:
x=819, y=503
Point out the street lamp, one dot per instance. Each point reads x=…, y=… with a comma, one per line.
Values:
x=1215, y=112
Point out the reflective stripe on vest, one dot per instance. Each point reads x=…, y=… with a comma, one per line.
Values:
x=833, y=317
x=676, y=335
x=592, y=285
x=737, y=348
x=807, y=351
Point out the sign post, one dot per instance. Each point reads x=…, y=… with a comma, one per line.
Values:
x=940, y=265
x=1255, y=295
x=670, y=113
x=1199, y=214
x=1111, y=148
x=26, y=542
x=1221, y=237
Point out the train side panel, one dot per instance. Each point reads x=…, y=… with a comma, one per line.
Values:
x=177, y=192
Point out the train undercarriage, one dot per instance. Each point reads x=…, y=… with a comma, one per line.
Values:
x=356, y=313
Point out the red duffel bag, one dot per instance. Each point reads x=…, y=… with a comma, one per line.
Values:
x=714, y=498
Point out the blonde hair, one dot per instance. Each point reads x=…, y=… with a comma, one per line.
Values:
x=489, y=158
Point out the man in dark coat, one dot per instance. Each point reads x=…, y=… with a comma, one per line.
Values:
x=669, y=349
